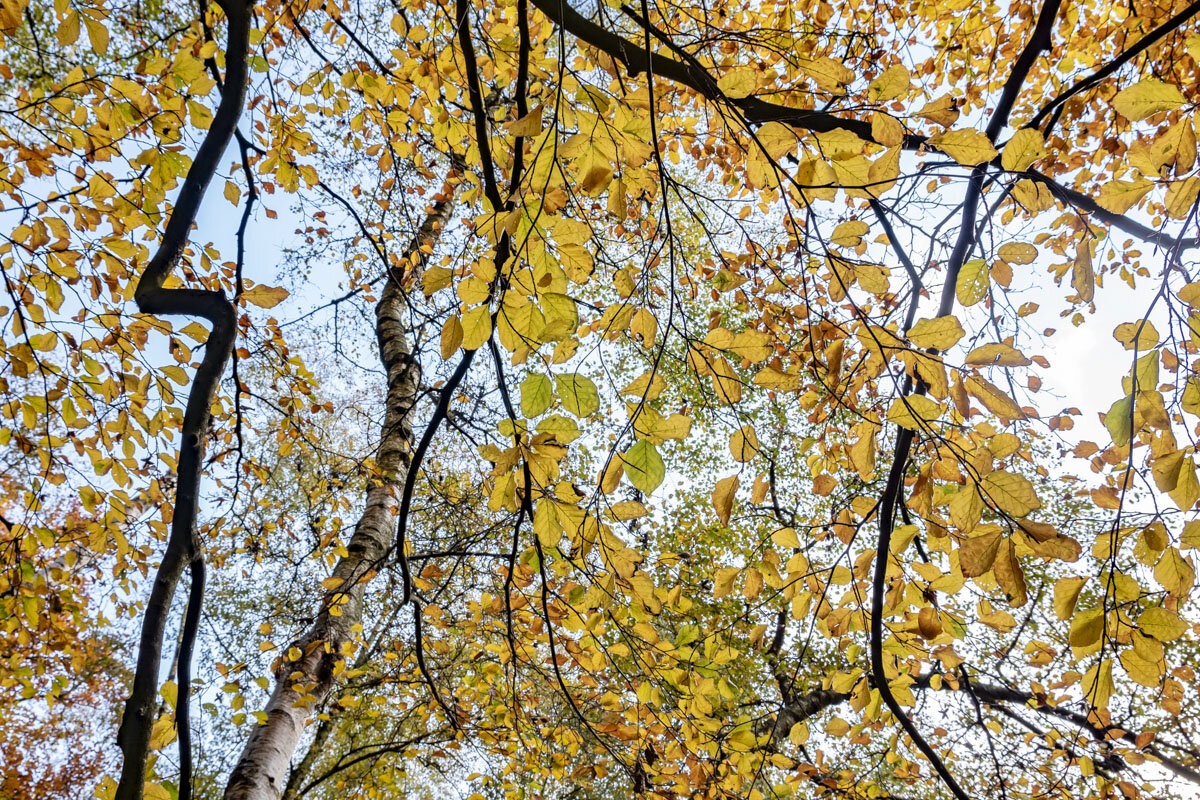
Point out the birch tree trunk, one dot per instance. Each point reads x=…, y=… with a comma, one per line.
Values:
x=300, y=686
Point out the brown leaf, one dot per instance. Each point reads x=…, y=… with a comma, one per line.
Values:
x=977, y=554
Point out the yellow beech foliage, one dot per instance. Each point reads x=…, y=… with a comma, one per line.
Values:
x=678, y=400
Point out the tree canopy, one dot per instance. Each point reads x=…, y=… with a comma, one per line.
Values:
x=525, y=399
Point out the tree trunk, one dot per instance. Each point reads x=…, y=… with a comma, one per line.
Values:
x=263, y=766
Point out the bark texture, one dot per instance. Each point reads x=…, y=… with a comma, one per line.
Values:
x=262, y=770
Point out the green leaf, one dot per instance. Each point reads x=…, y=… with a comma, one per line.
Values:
x=1118, y=421
x=564, y=428
x=644, y=466
x=578, y=394
x=536, y=395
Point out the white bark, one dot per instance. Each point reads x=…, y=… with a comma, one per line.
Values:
x=262, y=769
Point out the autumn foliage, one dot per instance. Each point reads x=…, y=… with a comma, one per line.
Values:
x=780, y=399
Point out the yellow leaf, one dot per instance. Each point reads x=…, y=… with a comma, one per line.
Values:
x=580, y=397
x=201, y=117
x=647, y=386
x=1025, y=147
x=627, y=509
x=644, y=327
x=828, y=73
x=435, y=279
x=940, y=333
x=1009, y=575
x=754, y=584
x=966, y=508
x=1120, y=196
x=928, y=623
x=1186, y=491
x=777, y=139
x=1175, y=573
x=723, y=581
x=536, y=395
x=1143, y=662
x=232, y=192
x=973, y=282
x=883, y=172
x=1066, y=594
x=643, y=588
x=743, y=443
x=726, y=383
x=753, y=345
x=1140, y=335
x=1033, y=197
x=1098, y=684
x=265, y=296
x=476, y=327
x=892, y=84
x=163, y=732
x=967, y=147
x=1147, y=98
x=849, y=233
x=452, y=337
x=837, y=727
x=722, y=497
x=738, y=82
x=68, y=30
x=1011, y=493
x=1162, y=624
x=786, y=537
x=595, y=171
x=1118, y=421
x=1083, y=278
x=528, y=125
x=97, y=33
x=886, y=129
x=993, y=399
x=997, y=355
x=943, y=111
x=1086, y=628
x=1190, y=540
x=1018, y=252
x=546, y=525
x=914, y=412
x=170, y=693
x=1181, y=196
x=155, y=791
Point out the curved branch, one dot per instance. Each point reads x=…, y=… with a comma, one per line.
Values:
x=183, y=547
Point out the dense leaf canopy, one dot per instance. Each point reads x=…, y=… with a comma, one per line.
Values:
x=526, y=399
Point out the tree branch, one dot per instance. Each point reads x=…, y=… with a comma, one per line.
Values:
x=183, y=548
